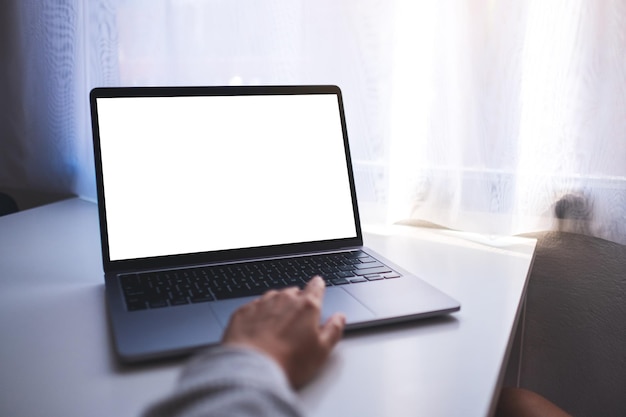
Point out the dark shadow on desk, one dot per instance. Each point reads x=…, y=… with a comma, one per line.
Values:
x=7, y=204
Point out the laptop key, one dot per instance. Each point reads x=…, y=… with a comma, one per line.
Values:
x=328, y=282
x=373, y=277
x=158, y=303
x=134, y=305
x=379, y=270
x=367, y=259
x=368, y=265
x=201, y=298
x=357, y=254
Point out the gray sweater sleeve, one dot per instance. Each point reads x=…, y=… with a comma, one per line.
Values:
x=229, y=381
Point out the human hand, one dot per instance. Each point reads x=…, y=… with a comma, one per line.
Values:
x=285, y=325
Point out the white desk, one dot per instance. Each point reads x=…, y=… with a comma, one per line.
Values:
x=56, y=354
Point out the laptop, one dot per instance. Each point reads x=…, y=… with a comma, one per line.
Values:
x=210, y=196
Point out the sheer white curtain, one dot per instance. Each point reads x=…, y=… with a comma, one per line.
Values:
x=507, y=113
x=498, y=116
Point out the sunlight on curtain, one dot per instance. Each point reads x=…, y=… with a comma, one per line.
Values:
x=572, y=141
x=502, y=117
x=550, y=81
x=455, y=108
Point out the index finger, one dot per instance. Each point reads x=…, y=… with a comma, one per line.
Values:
x=316, y=287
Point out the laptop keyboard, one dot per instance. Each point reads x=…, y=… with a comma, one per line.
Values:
x=202, y=284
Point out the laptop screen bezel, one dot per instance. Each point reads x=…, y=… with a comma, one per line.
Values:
x=170, y=261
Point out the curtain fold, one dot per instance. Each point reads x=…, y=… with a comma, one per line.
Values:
x=496, y=116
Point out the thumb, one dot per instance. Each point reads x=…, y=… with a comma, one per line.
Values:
x=332, y=330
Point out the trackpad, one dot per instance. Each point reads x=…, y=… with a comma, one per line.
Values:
x=335, y=300
x=338, y=300
x=223, y=309
x=408, y=296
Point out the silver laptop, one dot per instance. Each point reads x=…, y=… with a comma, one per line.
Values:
x=210, y=196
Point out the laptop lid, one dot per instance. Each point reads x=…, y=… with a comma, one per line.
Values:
x=191, y=175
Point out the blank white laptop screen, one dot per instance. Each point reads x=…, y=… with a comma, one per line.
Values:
x=201, y=173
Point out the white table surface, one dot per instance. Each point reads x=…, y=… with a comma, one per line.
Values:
x=56, y=354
